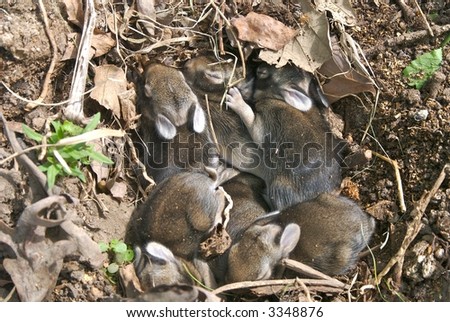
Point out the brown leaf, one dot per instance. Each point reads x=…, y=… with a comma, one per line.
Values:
x=263, y=31
x=146, y=8
x=129, y=281
x=101, y=44
x=110, y=81
x=343, y=79
x=310, y=49
x=118, y=190
x=128, y=104
x=75, y=14
x=341, y=10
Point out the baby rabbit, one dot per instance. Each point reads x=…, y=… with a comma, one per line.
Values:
x=171, y=100
x=299, y=157
x=156, y=265
x=334, y=230
x=179, y=213
x=173, y=125
x=186, y=152
x=246, y=191
x=209, y=76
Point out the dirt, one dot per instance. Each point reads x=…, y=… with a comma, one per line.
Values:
x=408, y=125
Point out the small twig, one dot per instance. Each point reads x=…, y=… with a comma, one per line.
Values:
x=48, y=76
x=211, y=126
x=406, y=40
x=135, y=159
x=398, y=178
x=162, y=43
x=253, y=284
x=74, y=110
x=81, y=138
x=425, y=20
x=221, y=46
x=413, y=228
x=305, y=289
x=239, y=47
x=408, y=13
x=9, y=296
x=23, y=158
x=41, y=104
x=308, y=271
x=349, y=294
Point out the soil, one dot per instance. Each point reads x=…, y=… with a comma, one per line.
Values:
x=408, y=125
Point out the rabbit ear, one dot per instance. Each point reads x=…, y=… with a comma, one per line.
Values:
x=165, y=128
x=215, y=76
x=296, y=98
x=197, y=119
x=289, y=239
x=316, y=92
x=160, y=253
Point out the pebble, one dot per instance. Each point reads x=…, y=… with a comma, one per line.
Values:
x=421, y=115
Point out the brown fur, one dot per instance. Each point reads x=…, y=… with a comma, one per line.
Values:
x=334, y=230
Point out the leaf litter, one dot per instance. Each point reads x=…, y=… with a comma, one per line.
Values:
x=175, y=33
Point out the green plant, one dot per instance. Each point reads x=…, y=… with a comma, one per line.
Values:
x=119, y=254
x=420, y=70
x=63, y=160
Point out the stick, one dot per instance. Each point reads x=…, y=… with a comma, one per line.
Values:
x=398, y=178
x=425, y=20
x=305, y=289
x=413, y=228
x=308, y=271
x=252, y=284
x=406, y=40
x=74, y=110
x=48, y=76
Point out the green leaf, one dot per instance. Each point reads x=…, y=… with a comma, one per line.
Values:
x=53, y=138
x=70, y=152
x=113, y=243
x=44, y=167
x=59, y=133
x=99, y=157
x=32, y=134
x=119, y=258
x=113, y=268
x=70, y=129
x=120, y=247
x=52, y=173
x=93, y=123
x=78, y=173
x=103, y=247
x=129, y=256
x=423, y=67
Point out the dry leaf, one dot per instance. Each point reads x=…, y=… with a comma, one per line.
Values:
x=110, y=81
x=73, y=40
x=146, y=8
x=75, y=14
x=129, y=281
x=128, y=105
x=310, y=49
x=341, y=10
x=101, y=170
x=343, y=79
x=263, y=31
x=118, y=190
x=101, y=44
